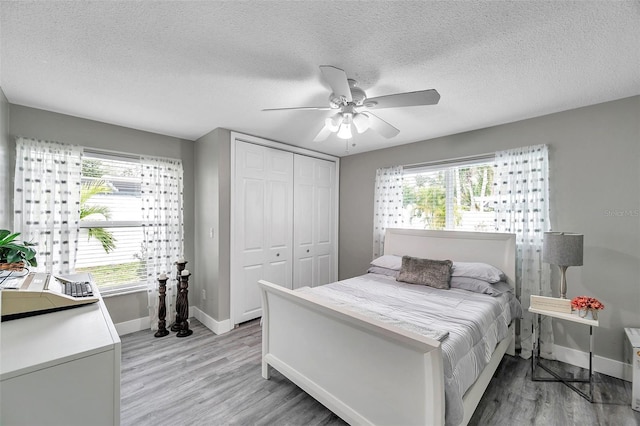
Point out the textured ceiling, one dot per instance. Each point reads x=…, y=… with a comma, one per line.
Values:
x=185, y=68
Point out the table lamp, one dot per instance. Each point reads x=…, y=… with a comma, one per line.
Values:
x=563, y=249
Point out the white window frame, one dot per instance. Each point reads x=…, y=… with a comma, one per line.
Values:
x=125, y=288
x=448, y=166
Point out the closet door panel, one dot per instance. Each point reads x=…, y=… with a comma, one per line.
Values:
x=278, y=272
x=253, y=213
x=264, y=194
x=314, y=221
x=304, y=216
x=251, y=300
x=325, y=269
x=279, y=202
x=303, y=220
x=325, y=223
x=304, y=272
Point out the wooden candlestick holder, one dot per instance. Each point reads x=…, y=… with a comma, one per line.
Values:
x=182, y=307
x=162, y=309
x=180, y=266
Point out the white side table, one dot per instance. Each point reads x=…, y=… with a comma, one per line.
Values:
x=535, y=359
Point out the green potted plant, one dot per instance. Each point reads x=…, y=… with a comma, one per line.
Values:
x=15, y=255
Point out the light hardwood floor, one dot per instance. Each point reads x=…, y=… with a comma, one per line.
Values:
x=207, y=379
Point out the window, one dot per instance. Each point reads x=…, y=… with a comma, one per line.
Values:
x=455, y=196
x=111, y=241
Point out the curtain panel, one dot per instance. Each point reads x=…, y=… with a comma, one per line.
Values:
x=521, y=182
x=47, y=200
x=387, y=208
x=162, y=222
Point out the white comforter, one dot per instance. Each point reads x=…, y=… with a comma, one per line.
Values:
x=470, y=325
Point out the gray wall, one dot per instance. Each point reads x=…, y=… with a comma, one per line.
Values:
x=6, y=171
x=594, y=179
x=40, y=124
x=595, y=163
x=212, y=208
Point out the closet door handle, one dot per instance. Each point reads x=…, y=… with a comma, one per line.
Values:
x=307, y=250
x=277, y=254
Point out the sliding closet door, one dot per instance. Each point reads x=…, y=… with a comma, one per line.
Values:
x=263, y=230
x=314, y=221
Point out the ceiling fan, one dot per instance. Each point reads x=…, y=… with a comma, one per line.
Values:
x=353, y=107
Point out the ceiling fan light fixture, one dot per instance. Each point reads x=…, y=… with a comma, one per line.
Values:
x=345, y=131
x=345, y=128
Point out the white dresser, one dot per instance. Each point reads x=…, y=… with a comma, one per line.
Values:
x=61, y=368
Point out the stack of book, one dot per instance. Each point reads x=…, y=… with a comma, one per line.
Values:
x=551, y=304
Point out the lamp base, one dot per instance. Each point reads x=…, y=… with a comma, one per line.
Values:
x=563, y=281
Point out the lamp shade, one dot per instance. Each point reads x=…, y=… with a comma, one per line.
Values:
x=562, y=248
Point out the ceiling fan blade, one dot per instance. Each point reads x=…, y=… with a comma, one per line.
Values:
x=382, y=127
x=299, y=109
x=421, y=97
x=361, y=122
x=337, y=80
x=323, y=133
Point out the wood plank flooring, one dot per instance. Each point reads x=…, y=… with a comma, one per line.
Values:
x=207, y=379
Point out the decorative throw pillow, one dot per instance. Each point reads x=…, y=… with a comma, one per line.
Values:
x=434, y=273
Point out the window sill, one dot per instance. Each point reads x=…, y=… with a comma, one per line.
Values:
x=106, y=293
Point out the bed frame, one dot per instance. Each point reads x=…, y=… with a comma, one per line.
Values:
x=365, y=371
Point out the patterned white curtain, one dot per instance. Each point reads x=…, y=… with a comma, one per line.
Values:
x=162, y=185
x=387, y=205
x=522, y=189
x=47, y=201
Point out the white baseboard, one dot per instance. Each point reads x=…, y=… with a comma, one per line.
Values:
x=139, y=324
x=132, y=326
x=218, y=327
x=610, y=367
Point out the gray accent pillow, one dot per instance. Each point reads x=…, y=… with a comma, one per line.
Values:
x=434, y=273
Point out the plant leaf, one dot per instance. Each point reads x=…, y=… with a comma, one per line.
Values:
x=86, y=211
x=105, y=238
x=6, y=238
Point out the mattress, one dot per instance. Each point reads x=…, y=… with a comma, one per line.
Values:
x=469, y=325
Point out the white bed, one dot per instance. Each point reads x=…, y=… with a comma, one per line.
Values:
x=368, y=371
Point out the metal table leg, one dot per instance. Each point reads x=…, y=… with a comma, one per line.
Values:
x=568, y=381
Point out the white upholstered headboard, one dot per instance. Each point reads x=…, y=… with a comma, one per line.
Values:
x=496, y=249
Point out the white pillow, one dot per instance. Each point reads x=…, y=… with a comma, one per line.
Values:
x=388, y=261
x=480, y=286
x=481, y=271
x=384, y=271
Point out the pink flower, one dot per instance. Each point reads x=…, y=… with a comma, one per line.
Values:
x=584, y=302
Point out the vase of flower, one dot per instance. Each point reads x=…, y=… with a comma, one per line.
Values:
x=584, y=313
x=584, y=305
